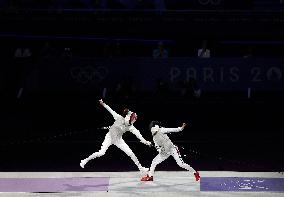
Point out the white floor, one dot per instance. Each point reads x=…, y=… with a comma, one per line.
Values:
x=166, y=184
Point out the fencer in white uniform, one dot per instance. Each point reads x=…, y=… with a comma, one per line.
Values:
x=114, y=136
x=166, y=148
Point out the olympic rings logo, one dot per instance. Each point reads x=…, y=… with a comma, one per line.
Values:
x=89, y=74
x=209, y=2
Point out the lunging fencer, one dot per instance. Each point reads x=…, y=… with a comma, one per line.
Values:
x=166, y=148
x=121, y=124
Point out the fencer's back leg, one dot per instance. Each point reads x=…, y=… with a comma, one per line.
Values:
x=180, y=162
x=105, y=145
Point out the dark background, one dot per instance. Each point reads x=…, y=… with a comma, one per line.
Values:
x=55, y=122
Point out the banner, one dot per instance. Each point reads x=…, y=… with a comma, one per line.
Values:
x=215, y=74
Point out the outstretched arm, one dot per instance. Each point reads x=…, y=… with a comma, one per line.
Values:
x=170, y=130
x=137, y=133
x=113, y=113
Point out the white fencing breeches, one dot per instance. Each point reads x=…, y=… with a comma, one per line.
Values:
x=120, y=143
x=161, y=157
